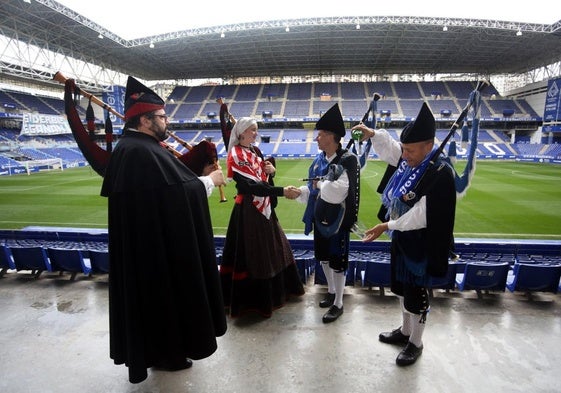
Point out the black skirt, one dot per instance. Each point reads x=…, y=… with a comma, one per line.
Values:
x=258, y=270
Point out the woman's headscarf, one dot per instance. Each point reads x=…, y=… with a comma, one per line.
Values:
x=241, y=125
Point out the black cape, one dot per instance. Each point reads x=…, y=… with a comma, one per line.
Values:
x=165, y=299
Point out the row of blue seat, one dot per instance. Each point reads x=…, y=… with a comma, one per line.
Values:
x=38, y=259
x=372, y=270
x=478, y=276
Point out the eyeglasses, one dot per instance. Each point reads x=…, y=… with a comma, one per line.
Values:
x=165, y=117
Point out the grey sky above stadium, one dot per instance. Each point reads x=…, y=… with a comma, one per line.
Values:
x=132, y=19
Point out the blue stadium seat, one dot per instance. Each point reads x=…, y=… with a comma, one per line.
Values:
x=377, y=274
x=534, y=278
x=485, y=276
x=304, y=263
x=32, y=258
x=99, y=261
x=68, y=260
x=319, y=276
x=448, y=282
x=6, y=261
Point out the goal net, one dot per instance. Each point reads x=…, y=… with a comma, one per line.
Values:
x=42, y=165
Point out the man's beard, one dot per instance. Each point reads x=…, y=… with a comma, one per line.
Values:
x=159, y=133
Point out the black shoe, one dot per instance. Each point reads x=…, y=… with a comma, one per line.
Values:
x=327, y=300
x=409, y=355
x=394, y=337
x=174, y=365
x=332, y=314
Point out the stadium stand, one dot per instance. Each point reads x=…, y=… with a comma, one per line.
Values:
x=194, y=110
x=273, y=91
x=484, y=265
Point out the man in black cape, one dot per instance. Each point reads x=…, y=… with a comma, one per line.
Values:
x=420, y=200
x=165, y=299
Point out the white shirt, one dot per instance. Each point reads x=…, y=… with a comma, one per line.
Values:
x=330, y=191
x=208, y=183
x=389, y=150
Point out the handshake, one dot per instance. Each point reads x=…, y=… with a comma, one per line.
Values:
x=291, y=192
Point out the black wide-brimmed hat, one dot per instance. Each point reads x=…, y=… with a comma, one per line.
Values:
x=332, y=121
x=422, y=128
x=139, y=99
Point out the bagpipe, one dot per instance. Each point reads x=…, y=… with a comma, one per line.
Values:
x=97, y=157
x=473, y=105
x=362, y=154
x=357, y=134
x=227, y=122
x=210, y=156
x=462, y=182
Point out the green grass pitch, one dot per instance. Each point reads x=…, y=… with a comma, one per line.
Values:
x=506, y=199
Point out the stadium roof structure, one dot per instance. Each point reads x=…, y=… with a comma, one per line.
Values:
x=374, y=45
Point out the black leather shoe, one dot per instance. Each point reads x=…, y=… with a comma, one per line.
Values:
x=409, y=355
x=327, y=300
x=394, y=337
x=332, y=314
x=174, y=365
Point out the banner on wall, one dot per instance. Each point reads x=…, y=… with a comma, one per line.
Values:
x=116, y=100
x=39, y=124
x=552, y=110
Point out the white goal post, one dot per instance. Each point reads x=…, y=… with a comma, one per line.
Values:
x=40, y=165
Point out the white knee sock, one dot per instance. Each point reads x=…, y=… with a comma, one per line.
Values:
x=339, y=278
x=406, y=320
x=417, y=330
x=328, y=276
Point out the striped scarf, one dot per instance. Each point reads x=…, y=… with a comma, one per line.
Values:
x=401, y=186
x=248, y=164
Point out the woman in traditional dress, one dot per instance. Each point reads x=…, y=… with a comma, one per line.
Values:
x=258, y=270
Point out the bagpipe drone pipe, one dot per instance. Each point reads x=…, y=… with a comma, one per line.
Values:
x=97, y=157
x=473, y=105
x=362, y=154
x=356, y=136
x=463, y=181
x=227, y=122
